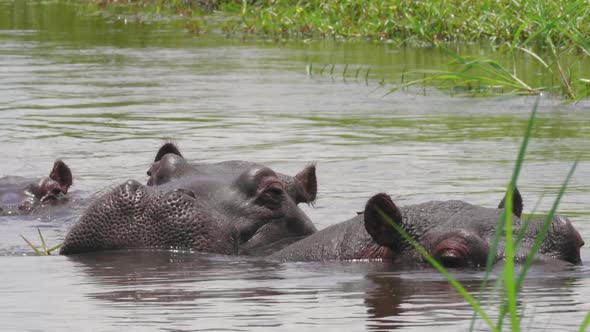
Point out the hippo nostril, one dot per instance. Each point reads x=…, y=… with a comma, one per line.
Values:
x=451, y=258
x=454, y=251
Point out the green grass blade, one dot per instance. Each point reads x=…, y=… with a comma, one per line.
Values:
x=540, y=237
x=32, y=246
x=489, y=264
x=43, y=243
x=534, y=55
x=545, y=227
x=585, y=322
x=509, y=266
x=581, y=40
x=513, y=181
x=502, y=222
x=52, y=249
x=517, y=34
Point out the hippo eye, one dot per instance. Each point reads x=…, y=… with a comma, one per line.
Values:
x=271, y=197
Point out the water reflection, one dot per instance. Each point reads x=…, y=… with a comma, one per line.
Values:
x=124, y=266
x=394, y=302
x=414, y=299
x=262, y=292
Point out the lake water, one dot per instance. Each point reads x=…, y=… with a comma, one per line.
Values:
x=103, y=94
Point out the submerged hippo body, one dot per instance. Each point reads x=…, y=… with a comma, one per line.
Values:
x=20, y=195
x=456, y=233
x=233, y=207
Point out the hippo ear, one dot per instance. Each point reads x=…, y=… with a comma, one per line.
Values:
x=306, y=186
x=516, y=203
x=380, y=211
x=61, y=174
x=165, y=149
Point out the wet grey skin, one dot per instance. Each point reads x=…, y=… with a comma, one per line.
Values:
x=21, y=196
x=455, y=233
x=232, y=207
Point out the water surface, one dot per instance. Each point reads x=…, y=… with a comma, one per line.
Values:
x=102, y=94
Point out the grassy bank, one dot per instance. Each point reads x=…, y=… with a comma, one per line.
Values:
x=549, y=32
x=554, y=22
x=498, y=21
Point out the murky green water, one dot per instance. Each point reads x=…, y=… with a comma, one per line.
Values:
x=103, y=94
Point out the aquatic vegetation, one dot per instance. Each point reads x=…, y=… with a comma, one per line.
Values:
x=44, y=250
x=552, y=33
x=548, y=34
x=508, y=280
x=482, y=76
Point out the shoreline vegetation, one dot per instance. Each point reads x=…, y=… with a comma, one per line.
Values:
x=551, y=33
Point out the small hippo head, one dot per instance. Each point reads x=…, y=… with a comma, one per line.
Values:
x=50, y=190
x=228, y=207
x=458, y=234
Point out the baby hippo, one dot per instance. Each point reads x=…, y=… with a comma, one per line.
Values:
x=455, y=233
x=20, y=195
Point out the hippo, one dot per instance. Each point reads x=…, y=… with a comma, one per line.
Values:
x=231, y=207
x=455, y=233
x=21, y=196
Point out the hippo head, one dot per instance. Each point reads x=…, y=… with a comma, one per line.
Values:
x=228, y=207
x=458, y=234
x=50, y=190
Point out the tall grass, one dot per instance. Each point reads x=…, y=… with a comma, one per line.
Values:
x=507, y=276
